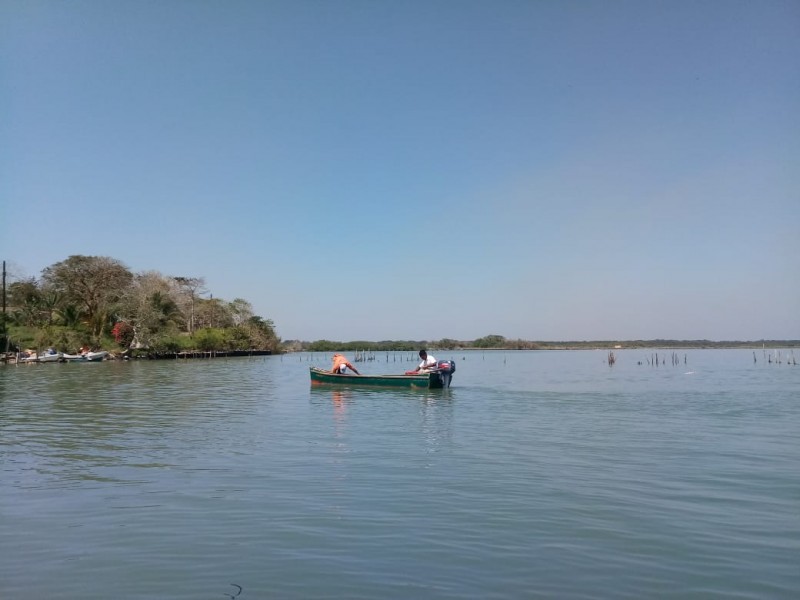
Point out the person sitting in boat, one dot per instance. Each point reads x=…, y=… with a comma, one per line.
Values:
x=428, y=363
x=341, y=364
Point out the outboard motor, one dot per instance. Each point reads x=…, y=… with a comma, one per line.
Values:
x=446, y=368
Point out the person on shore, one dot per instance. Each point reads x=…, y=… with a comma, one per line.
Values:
x=341, y=364
x=428, y=362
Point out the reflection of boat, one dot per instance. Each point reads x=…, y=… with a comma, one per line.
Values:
x=434, y=379
x=86, y=357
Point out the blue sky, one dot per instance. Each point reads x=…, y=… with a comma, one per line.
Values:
x=576, y=170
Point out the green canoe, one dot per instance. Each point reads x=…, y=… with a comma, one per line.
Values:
x=419, y=380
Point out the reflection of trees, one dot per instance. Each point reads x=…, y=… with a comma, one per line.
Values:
x=86, y=425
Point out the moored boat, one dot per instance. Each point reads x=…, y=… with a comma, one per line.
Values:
x=85, y=357
x=72, y=357
x=42, y=358
x=50, y=357
x=438, y=378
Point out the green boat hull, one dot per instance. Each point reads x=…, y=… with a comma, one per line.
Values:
x=421, y=380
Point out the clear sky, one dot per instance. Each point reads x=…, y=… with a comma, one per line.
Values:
x=370, y=170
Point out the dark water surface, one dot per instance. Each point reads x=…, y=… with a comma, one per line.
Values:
x=538, y=475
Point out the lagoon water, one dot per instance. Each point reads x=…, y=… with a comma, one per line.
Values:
x=537, y=475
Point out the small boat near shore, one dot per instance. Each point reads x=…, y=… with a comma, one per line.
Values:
x=435, y=379
x=85, y=357
x=42, y=358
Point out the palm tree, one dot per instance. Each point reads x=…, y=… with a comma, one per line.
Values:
x=28, y=314
x=49, y=302
x=70, y=316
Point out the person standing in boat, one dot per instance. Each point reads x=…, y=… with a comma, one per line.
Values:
x=428, y=362
x=341, y=364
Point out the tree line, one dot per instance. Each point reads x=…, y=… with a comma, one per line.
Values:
x=499, y=342
x=98, y=301
x=495, y=342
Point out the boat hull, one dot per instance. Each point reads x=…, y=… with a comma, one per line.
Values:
x=87, y=357
x=73, y=357
x=42, y=358
x=420, y=380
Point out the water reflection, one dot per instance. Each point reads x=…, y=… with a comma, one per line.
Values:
x=339, y=397
x=116, y=422
x=435, y=411
x=436, y=420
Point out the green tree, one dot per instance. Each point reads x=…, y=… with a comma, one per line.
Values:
x=213, y=312
x=490, y=341
x=25, y=303
x=23, y=292
x=70, y=316
x=80, y=299
x=50, y=303
x=95, y=283
x=261, y=333
x=209, y=338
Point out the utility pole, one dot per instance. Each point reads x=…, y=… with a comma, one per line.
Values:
x=5, y=329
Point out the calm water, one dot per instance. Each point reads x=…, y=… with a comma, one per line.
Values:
x=538, y=475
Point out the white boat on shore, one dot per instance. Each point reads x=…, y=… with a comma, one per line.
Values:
x=42, y=358
x=86, y=356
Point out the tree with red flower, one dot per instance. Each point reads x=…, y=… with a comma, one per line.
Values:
x=123, y=333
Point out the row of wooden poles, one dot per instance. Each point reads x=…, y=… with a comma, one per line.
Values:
x=775, y=357
x=654, y=360
x=363, y=356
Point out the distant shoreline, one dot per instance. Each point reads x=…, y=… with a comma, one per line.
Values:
x=509, y=344
x=659, y=344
